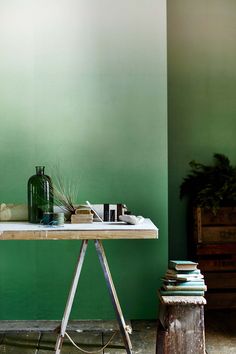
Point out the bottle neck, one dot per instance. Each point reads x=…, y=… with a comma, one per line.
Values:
x=40, y=170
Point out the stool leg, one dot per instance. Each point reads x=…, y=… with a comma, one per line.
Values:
x=114, y=298
x=71, y=296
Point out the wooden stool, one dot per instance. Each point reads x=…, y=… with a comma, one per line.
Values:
x=181, y=325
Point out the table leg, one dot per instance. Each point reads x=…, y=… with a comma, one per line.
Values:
x=71, y=296
x=114, y=298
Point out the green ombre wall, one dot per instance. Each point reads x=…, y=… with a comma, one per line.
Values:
x=83, y=86
x=201, y=95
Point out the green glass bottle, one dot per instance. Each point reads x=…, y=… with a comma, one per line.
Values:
x=40, y=195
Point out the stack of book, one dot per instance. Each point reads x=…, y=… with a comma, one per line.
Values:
x=83, y=215
x=183, y=278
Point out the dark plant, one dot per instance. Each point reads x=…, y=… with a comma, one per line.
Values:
x=211, y=186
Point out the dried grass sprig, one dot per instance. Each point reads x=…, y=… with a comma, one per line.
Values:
x=65, y=194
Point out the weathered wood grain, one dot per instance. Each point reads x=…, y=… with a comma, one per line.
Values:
x=50, y=326
x=23, y=343
x=221, y=300
x=223, y=216
x=115, y=346
x=183, y=327
x=220, y=280
x=77, y=235
x=220, y=264
x=220, y=334
x=213, y=246
x=143, y=339
x=208, y=227
x=1, y=337
x=212, y=234
x=182, y=300
x=88, y=340
x=26, y=231
x=215, y=249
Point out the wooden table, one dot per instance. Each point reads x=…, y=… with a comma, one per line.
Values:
x=85, y=232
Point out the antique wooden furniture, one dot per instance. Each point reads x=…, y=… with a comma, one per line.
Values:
x=213, y=246
x=181, y=325
x=85, y=232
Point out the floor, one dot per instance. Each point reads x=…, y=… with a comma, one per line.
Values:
x=220, y=332
x=220, y=337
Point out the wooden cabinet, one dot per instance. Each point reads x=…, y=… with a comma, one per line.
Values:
x=213, y=246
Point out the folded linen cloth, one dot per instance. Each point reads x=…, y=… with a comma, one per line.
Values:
x=13, y=212
x=131, y=219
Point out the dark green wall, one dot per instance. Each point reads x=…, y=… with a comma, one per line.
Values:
x=84, y=86
x=201, y=95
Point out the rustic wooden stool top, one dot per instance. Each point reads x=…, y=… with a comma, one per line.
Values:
x=181, y=325
x=182, y=300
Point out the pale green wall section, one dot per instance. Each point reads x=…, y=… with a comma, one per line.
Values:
x=201, y=95
x=83, y=86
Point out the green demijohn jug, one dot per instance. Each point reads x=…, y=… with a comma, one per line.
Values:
x=40, y=195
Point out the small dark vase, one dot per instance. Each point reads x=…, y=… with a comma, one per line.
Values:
x=40, y=195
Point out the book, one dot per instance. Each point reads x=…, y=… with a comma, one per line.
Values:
x=80, y=219
x=184, y=277
x=181, y=292
x=182, y=265
x=83, y=211
x=185, y=287
x=189, y=272
x=183, y=283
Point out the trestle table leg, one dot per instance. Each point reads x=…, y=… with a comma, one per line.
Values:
x=71, y=296
x=114, y=298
